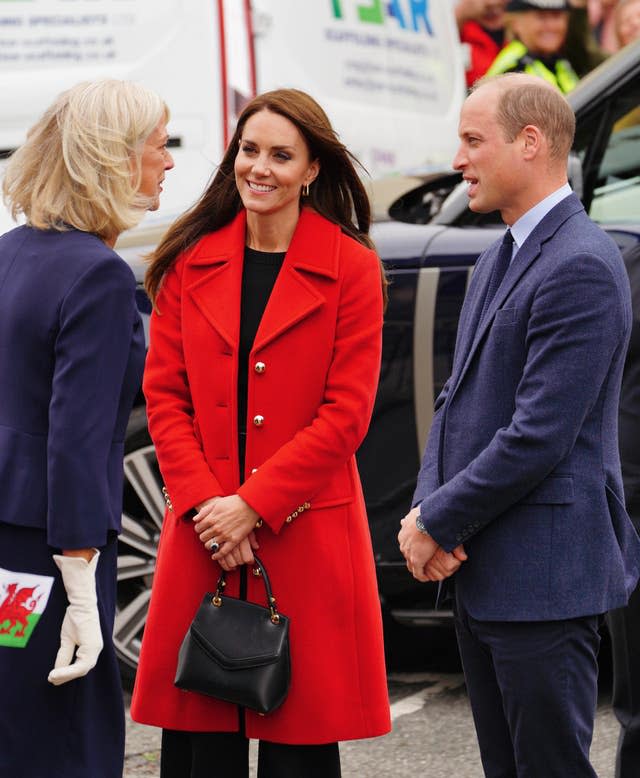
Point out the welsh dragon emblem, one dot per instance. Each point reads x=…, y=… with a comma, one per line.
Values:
x=23, y=599
x=15, y=608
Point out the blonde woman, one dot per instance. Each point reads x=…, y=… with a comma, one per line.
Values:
x=71, y=357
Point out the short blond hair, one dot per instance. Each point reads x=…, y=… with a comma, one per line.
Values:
x=80, y=165
x=526, y=99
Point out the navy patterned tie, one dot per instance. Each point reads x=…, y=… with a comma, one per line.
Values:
x=499, y=269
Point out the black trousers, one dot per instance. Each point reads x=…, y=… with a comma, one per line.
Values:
x=533, y=693
x=624, y=627
x=226, y=755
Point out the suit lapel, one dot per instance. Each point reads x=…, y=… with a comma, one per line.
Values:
x=525, y=257
x=527, y=254
x=472, y=307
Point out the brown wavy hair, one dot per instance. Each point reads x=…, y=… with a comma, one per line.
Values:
x=337, y=193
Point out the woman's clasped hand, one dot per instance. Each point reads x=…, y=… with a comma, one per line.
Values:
x=229, y=521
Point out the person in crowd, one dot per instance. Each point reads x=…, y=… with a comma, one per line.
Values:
x=624, y=623
x=628, y=29
x=539, y=29
x=602, y=20
x=581, y=47
x=481, y=28
x=71, y=356
x=520, y=492
x=627, y=21
x=260, y=383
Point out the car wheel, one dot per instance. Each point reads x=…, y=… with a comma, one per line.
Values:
x=142, y=514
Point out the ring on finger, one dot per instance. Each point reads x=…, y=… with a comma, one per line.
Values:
x=214, y=546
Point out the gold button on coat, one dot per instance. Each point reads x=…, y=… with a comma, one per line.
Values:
x=259, y=367
x=258, y=420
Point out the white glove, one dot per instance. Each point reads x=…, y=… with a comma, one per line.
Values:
x=81, y=624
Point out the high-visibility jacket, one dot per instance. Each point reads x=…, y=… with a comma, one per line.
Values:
x=515, y=57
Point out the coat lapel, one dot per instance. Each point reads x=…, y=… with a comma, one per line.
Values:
x=216, y=270
x=313, y=251
x=215, y=267
x=524, y=258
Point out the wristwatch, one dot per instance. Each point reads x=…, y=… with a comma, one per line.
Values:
x=420, y=526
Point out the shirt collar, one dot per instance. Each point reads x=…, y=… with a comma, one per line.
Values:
x=526, y=224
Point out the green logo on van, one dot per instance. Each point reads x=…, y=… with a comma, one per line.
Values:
x=408, y=14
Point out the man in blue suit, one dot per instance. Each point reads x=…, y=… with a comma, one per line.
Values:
x=520, y=491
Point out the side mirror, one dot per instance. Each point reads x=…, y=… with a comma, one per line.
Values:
x=420, y=205
x=574, y=173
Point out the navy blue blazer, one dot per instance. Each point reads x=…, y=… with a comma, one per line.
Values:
x=522, y=462
x=71, y=359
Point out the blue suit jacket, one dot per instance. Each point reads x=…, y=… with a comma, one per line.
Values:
x=522, y=462
x=71, y=358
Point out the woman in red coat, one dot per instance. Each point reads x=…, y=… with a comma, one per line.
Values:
x=260, y=382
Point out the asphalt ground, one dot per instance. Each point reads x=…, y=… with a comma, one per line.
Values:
x=432, y=733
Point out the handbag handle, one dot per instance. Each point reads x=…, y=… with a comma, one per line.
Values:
x=259, y=570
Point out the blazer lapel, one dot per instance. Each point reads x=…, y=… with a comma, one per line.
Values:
x=526, y=255
x=216, y=271
x=472, y=307
x=314, y=251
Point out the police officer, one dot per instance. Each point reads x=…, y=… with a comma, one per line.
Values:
x=540, y=31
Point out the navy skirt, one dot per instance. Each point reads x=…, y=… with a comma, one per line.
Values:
x=71, y=731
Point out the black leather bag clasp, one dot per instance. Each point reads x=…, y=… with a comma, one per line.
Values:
x=237, y=651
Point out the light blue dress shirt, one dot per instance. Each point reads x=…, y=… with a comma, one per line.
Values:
x=525, y=225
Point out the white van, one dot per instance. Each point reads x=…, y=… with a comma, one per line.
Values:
x=389, y=74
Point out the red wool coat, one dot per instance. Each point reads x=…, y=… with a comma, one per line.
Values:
x=312, y=378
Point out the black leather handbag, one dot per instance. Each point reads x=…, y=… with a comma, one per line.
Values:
x=237, y=651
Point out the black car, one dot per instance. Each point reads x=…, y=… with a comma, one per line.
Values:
x=429, y=244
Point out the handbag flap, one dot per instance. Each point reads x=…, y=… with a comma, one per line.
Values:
x=239, y=634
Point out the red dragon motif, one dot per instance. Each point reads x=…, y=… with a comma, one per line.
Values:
x=16, y=606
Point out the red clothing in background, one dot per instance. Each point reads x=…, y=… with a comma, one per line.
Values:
x=483, y=50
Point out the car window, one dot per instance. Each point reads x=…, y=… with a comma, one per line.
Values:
x=611, y=157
